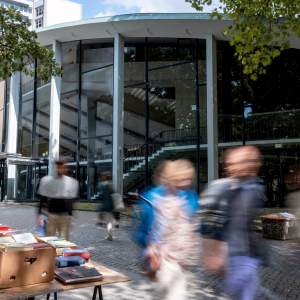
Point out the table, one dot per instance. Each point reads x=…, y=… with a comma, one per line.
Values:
x=109, y=275
x=30, y=291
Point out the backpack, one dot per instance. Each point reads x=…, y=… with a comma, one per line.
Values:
x=143, y=216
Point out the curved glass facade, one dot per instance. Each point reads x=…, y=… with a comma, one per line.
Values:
x=165, y=113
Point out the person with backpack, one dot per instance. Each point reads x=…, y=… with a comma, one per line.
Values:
x=168, y=232
x=106, y=206
x=226, y=209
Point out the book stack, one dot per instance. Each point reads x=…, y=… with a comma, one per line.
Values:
x=81, y=253
x=21, y=242
x=60, y=251
x=58, y=243
x=70, y=261
x=77, y=274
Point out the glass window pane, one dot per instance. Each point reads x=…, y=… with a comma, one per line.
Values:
x=69, y=102
x=96, y=55
x=26, y=129
x=97, y=103
x=164, y=52
x=43, y=110
x=95, y=157
x=41, y=147
x=27, y=85
x=172, y=100
x=134, y=68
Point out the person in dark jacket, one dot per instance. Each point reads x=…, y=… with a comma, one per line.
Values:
x=226, y=205
x=106, y=206
x=56, y=195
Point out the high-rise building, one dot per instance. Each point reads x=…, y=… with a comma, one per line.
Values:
x=24, y=6
x=46, y=12
x=42, y=13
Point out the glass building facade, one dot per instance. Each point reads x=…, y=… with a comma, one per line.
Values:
x=165, y=108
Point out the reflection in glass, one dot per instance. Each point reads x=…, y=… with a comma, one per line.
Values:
x=172, y=103
x=43, y=111
x=96, y=55
x=134, y=67
x=26, y=128
x=95, y=156
x=41, y=147
x=97, y=103
x=69, y=102
x=21, y=179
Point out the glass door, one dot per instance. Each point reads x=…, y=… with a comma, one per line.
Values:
x=270, y=177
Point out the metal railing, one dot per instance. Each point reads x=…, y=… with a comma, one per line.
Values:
x=284, y=128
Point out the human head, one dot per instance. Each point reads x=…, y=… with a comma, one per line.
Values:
x=180, y=174
x=158, y=176
x=242, y=162
x=106, y=176
x=61, y=168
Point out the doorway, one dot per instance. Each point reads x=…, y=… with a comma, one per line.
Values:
x=280, y=174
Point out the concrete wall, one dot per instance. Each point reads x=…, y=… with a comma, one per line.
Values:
x=61, y=11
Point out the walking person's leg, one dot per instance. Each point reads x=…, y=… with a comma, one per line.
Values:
x=64, y=223
x=171, y=272
x=110, y=221
x=117, y=217
x=52, y=225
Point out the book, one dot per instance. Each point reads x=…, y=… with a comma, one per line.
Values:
x=4, y=227
x=77, y=252
x=6, y=239
x=59, y=251
x=40, y=246
x=47, y=238
x=26, y=238
x=9, y=232
x=69, y=261
x=62, y=244
x=77, y=274
x=15, y=247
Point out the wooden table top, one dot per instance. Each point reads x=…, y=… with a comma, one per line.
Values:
x=24, y=292
x=110, y=277
x=27, y=291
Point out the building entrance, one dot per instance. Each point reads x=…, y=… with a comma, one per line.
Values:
x=3, y=171
x=280, y=174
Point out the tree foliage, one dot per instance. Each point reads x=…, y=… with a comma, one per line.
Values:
x=260, y=30
x=19, y=48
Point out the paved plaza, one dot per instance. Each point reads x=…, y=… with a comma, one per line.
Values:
x=280, y=274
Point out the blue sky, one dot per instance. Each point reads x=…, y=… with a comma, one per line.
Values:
x=98, y=8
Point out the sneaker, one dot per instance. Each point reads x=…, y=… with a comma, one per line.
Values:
x=109, y=238
x=117, y=226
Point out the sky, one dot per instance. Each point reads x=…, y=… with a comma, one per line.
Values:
x=100, y=8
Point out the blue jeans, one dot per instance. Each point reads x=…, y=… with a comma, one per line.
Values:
x=242, y=277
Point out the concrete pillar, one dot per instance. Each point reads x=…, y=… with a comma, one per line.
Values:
x=118, y=114
x=55, y=111
x=212, y=108
x=12, y=133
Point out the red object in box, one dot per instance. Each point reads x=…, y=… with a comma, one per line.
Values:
x=81, y=253
x=4, y=227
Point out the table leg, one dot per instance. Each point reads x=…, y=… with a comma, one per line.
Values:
x=100, y=292
x=99, y=289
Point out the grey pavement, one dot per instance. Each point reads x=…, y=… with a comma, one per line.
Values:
x=279, y=274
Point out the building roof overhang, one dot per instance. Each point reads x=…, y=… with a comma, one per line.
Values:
x=165, y=25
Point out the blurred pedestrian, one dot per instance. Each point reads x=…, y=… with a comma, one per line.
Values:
x=56, y=195
x=226, y=207
x=106, y=206
x=172, y=244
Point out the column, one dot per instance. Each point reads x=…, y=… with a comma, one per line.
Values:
x=118, y=113
x=55, y=111
x=12, y=133
x=212, y=108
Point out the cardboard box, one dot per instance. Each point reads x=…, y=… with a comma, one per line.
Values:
x=26, y=267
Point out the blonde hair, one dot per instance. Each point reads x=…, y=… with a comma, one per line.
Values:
x=158, y=177
x=180, y=169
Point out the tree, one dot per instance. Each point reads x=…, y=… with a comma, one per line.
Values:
x=19, y=48
x=260, y=29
